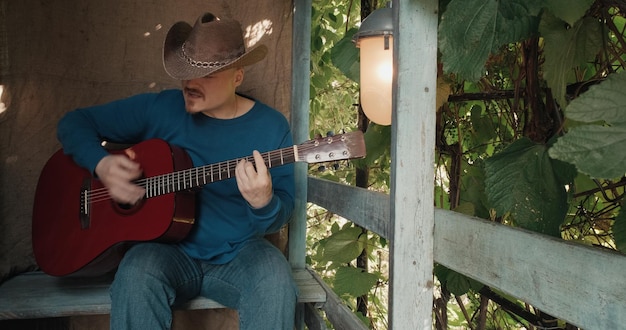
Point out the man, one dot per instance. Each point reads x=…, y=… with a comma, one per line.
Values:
x=225, y=256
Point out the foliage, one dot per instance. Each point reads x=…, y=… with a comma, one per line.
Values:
x=592, y=147
x=333, y=243
x=525, y=181
x=498, y=150
x=531, y=135
x=488, y=24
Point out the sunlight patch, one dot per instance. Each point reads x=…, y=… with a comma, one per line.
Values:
x=3, y=106
x=255, y=32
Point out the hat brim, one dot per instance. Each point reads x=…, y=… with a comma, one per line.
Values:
x=178, y=68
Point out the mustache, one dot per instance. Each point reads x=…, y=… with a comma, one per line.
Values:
x=192, y=90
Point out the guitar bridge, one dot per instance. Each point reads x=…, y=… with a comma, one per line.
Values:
x=84, y=217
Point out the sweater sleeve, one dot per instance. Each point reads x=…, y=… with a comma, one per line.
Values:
x=82, y=131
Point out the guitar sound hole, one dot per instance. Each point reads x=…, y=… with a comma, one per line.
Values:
x=128, y=208
x=125, y=206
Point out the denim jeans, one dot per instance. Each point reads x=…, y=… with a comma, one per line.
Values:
x=152, y=278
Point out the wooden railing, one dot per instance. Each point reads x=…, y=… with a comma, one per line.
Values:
x=581, y=284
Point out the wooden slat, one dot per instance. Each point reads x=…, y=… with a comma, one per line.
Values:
x=37, y=295
x=366, y=208
x=313, y=319
x=577, y=283
x=339, y=315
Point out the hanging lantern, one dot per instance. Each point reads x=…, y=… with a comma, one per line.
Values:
x=375, y=41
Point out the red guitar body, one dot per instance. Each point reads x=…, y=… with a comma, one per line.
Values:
x=72, y=238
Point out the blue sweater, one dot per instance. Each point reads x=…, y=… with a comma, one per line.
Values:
x=224, y=220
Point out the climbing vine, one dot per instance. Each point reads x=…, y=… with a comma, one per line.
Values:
x=531, y=130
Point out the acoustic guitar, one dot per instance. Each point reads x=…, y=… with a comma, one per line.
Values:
x=79, y=230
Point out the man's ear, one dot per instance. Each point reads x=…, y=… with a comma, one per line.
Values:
x=239, y=73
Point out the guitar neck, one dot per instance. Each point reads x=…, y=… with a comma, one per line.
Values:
x=344, y=146
x=199, y=176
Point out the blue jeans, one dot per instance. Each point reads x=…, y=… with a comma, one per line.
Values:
x=152, y=278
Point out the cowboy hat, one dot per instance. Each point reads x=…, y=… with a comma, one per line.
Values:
x=212, y=44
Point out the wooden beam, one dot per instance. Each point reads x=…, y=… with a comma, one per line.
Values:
x=412, y=171
x=366, y=208
x=581, y=284
x=339, y=315
x=300, y=90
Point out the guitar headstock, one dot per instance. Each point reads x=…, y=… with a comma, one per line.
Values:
x=337, y=147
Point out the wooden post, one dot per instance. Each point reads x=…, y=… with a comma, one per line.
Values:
x=301, y=50
x=412, y=154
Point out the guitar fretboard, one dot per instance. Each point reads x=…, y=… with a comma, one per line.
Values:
x=202, y=175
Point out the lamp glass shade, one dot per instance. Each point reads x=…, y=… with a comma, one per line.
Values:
x=376, y=78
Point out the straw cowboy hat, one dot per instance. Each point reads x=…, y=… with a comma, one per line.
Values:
x=212, y=44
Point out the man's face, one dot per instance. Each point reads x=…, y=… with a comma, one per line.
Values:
x=212, y=94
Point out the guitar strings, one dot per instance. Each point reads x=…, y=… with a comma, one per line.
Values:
x=161, y=183
x=171, y=182
x=194, y=177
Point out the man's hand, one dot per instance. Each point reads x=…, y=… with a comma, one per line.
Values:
x=255, y=185
x=117, y=173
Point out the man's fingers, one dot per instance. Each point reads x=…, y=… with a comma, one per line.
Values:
x=117, y=173
x=261, y=168
x=254, y=181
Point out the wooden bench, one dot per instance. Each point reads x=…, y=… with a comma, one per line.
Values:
x=37, y=295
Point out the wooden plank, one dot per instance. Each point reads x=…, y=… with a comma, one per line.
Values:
x=577, y=283
x=366, y=208
x=339, y=315
x=412, y=171
x=37, y=295
x=313, y=319
x=300, y=90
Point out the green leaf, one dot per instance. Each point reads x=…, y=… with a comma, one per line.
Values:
x=459, y=284
x=345, y=56
x=583, y=182
x=377, y=143
x=605, y=101
x=597, y=150
x=566, y=48
x=353, y=281
x=466, y=208
x=522, y=180
x=568, y=10
x=343, y=246
x=483, y=129
x=473, y=188
x=619, y=231
x=472, y=29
